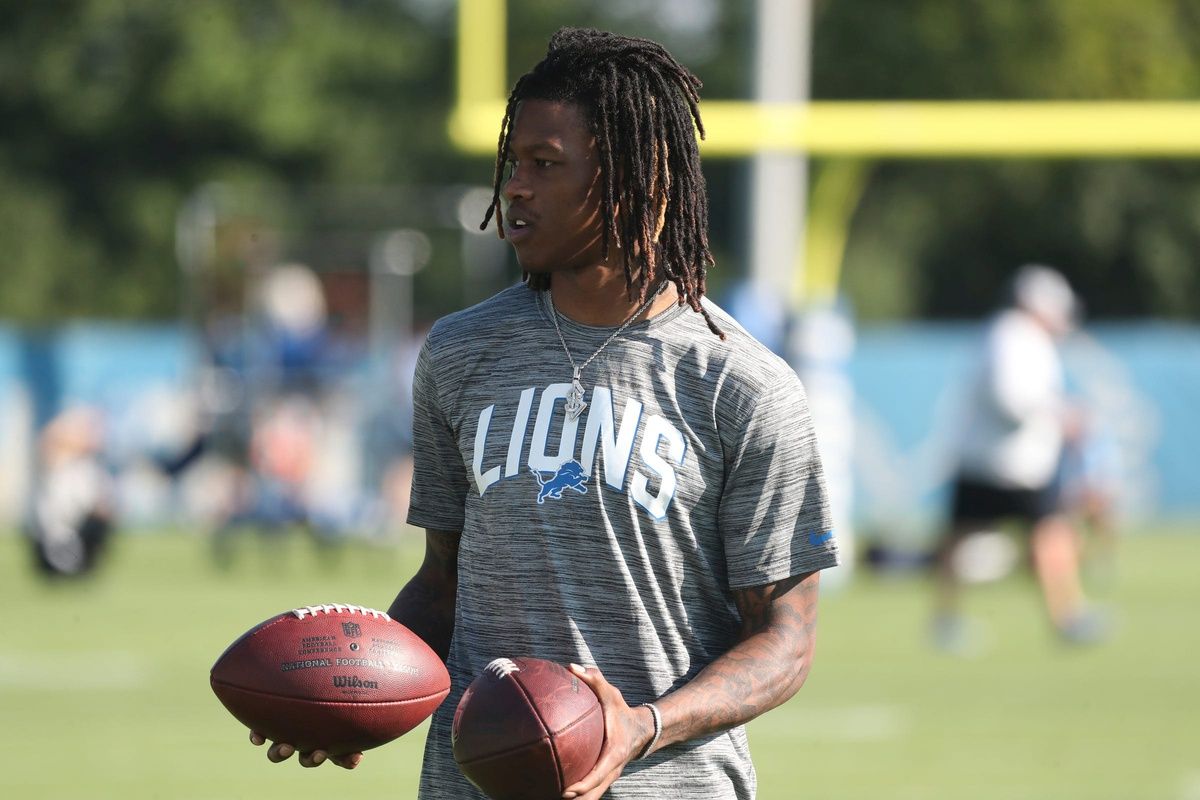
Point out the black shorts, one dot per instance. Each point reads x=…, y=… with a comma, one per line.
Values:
x=976, y=502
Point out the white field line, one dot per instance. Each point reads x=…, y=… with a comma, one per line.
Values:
x=97, y=670
x=1190, y=786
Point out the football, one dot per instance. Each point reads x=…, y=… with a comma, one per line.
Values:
x=526, y=729
x=339, y=678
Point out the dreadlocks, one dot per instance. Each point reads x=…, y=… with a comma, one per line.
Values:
x=643, y=108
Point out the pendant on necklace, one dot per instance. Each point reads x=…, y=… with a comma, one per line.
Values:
x=575, y=404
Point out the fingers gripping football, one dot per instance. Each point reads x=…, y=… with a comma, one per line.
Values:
x=627, y=731
x=282, y=751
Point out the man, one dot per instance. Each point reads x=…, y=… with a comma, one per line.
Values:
x=1009, y=456
x=610, y=471
x=72, y=508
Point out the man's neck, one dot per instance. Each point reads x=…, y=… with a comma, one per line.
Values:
x=597, y=296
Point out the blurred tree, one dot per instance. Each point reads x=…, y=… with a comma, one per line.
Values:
x=940, y=238
x=114, y=112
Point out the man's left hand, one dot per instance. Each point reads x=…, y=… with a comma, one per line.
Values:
x=627, y=731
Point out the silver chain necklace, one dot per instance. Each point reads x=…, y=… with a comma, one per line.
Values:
x=575, y=404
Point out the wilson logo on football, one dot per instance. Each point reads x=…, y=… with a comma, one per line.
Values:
x=353, y=682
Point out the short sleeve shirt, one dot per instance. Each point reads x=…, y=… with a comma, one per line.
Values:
x=614, y=537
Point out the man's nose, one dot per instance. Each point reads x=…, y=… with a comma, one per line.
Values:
x=516, y=187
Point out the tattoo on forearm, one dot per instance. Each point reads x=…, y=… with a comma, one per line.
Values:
x=765, y=668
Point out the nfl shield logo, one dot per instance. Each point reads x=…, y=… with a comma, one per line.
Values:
x=351, y=629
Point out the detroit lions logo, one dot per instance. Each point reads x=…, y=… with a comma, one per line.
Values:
x=569, y=476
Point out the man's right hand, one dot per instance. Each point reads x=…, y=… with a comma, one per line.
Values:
x=281, y=751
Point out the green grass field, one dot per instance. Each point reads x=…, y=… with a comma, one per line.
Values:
x=104, y=686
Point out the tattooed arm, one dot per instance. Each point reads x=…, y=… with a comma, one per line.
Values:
x=766, y=667
x=763, y=670
x=426, y=603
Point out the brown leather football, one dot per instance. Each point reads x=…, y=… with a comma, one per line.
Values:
x=339, y=678
x=526, y=729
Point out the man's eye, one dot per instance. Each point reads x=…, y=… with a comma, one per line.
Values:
x=542, y=162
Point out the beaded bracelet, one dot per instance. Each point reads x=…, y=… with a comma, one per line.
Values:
x=658, y=728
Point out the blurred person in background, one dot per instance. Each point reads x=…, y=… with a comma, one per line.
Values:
x=296, y=342
x=1089, y=478
x=273, y=495
x=683, y=572
x=1009, y=455
x=284, y=371
x=72, y=509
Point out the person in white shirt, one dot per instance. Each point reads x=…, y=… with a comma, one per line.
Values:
x=1009, y=451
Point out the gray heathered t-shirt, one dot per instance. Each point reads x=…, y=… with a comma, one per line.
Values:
x=613, y=539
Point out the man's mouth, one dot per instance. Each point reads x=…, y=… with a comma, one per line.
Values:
x=517, y=226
